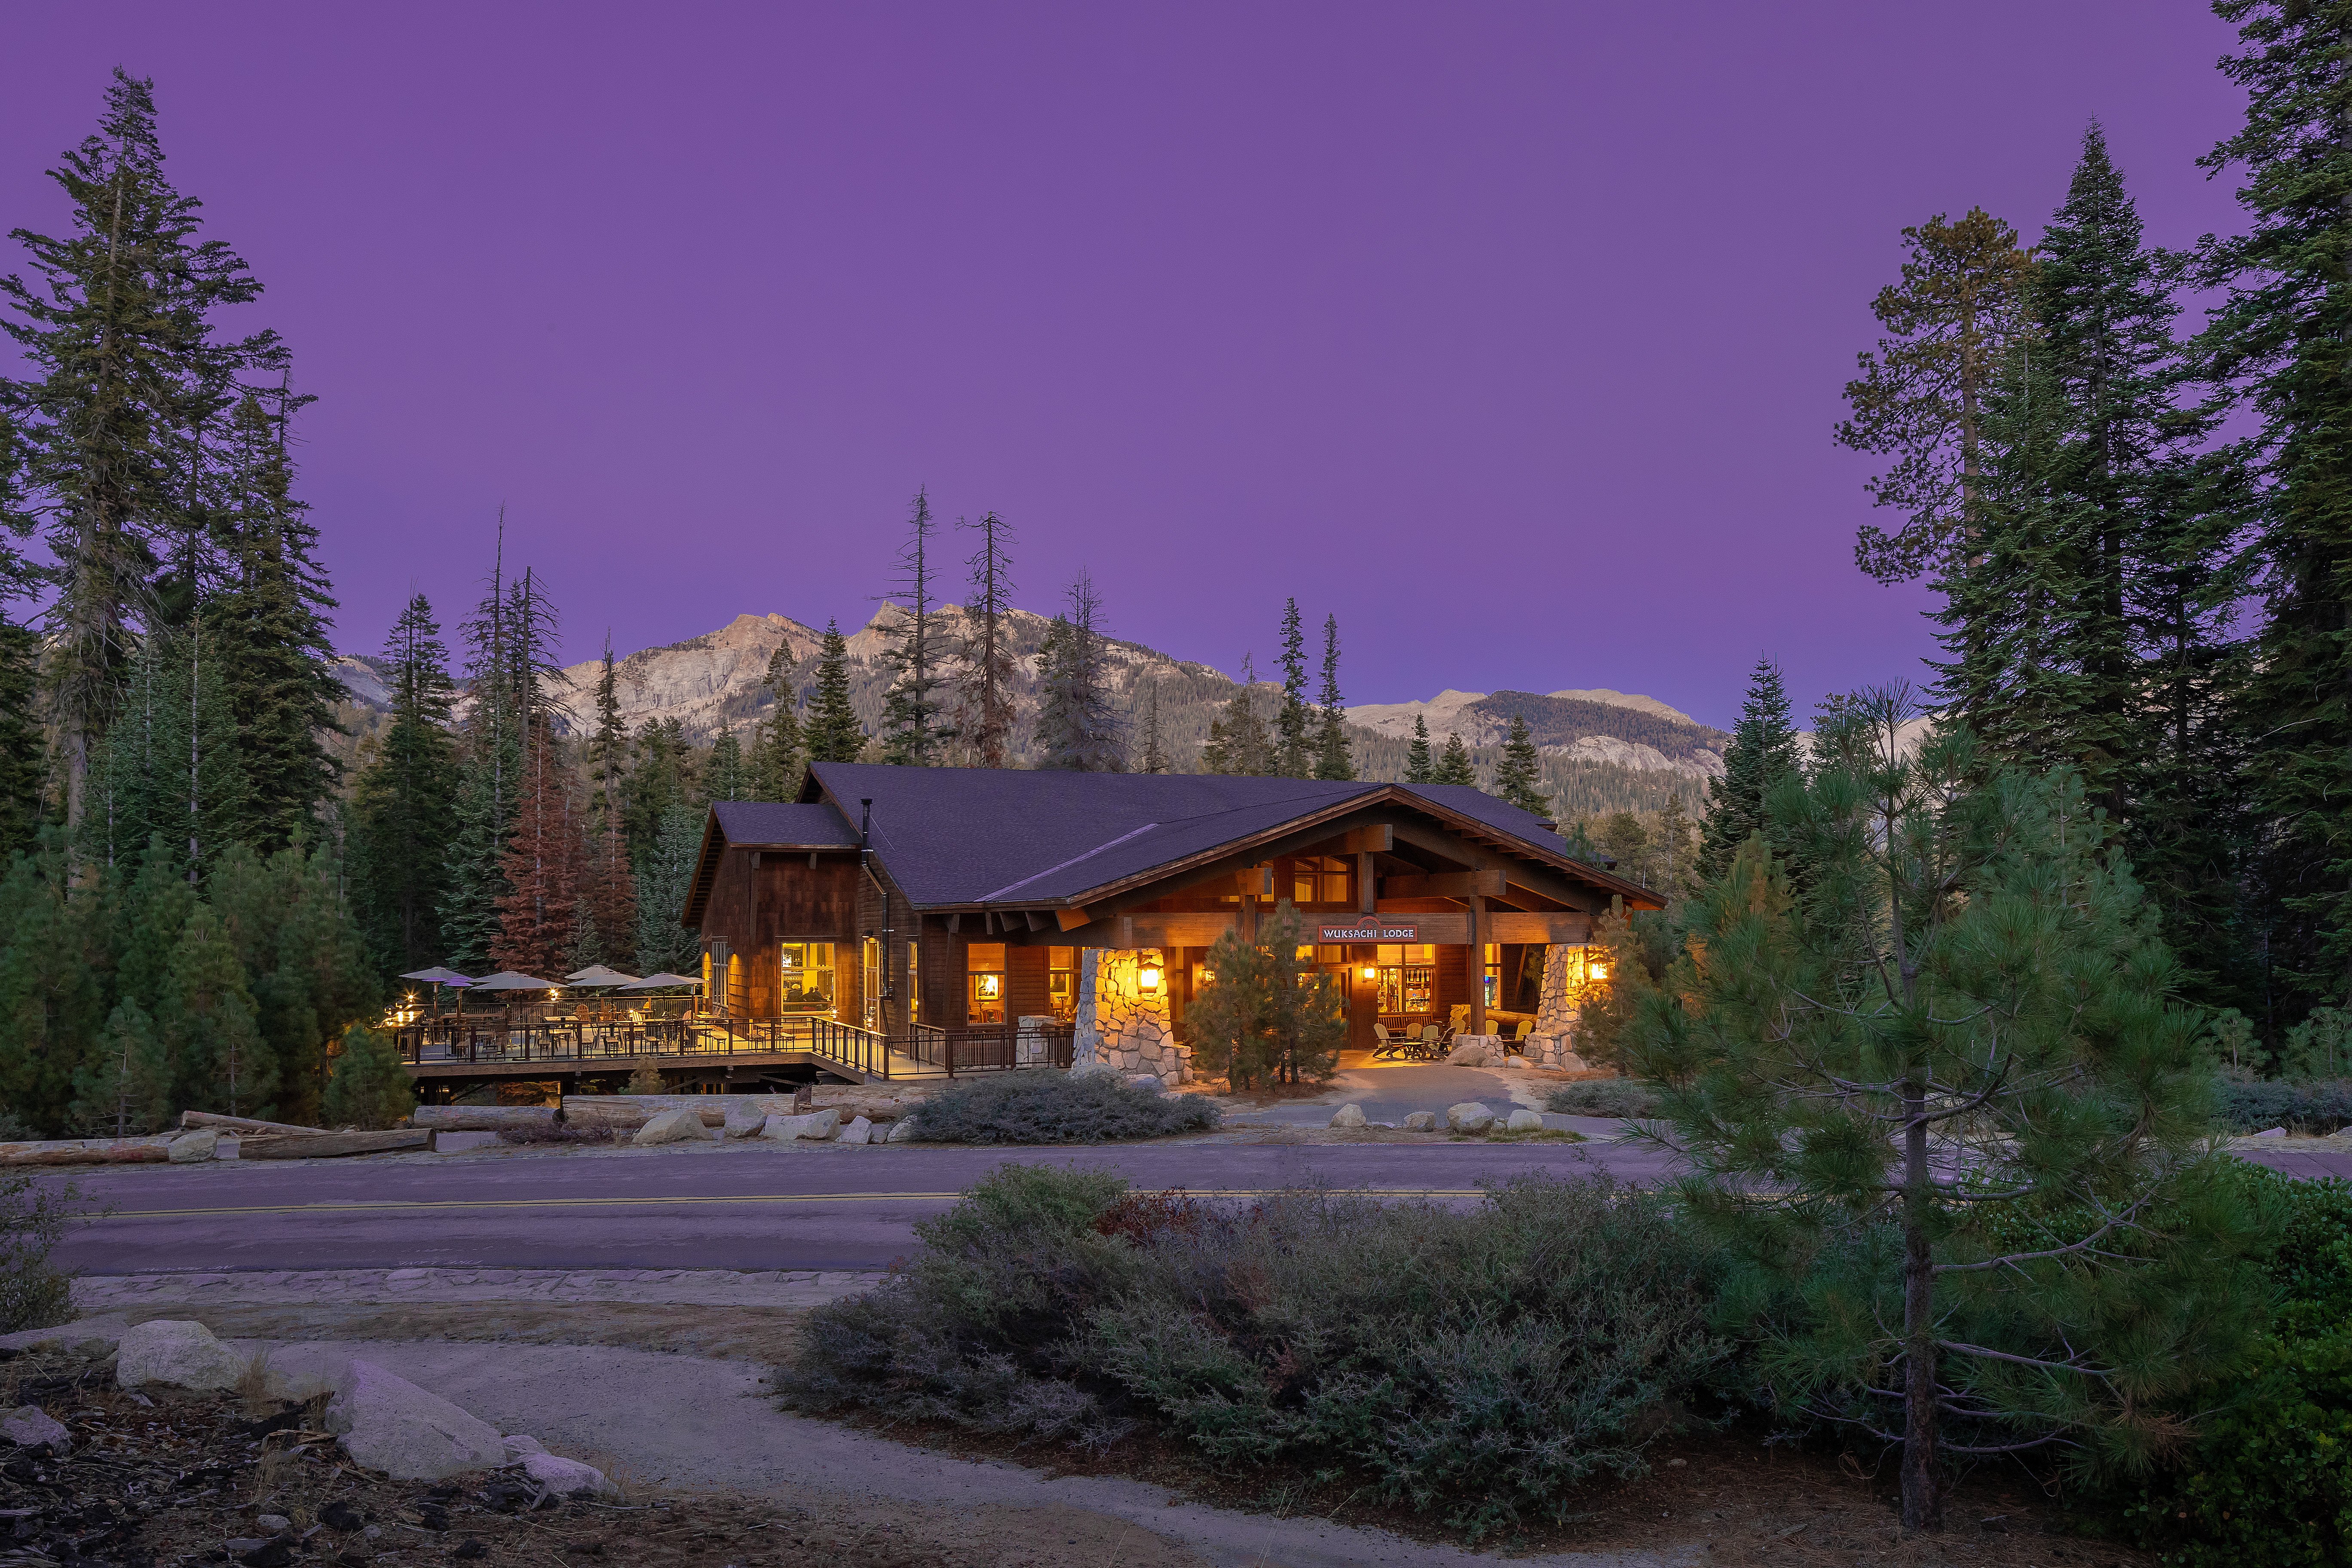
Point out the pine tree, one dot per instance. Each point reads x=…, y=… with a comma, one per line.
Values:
x=1237, y=742
x=1293, y=757
x=1155, y=752
x=1079, y=725
x=608, y=898
x=270, y=628
x=117, y=332
x=405, y=801
x=1518, y=778
x=983, y=716
x=54, y=951
x=776, y=760
x=490, y=767
x=2277, y=339
x=305, y=961
x=542, y=866
x=833, y=734
x=369, y=1088
x=1418, y=768
x=1454, y=767
x=171, y=763
x=911, y=710
x=608, y=744
x=205, y=1019
x=725, y=774
x=663, y=882
x=1333, y=759
x=659, y=779
x=1964, y=985
x=1763, y=752
x=20, y=736
x=1919, y=399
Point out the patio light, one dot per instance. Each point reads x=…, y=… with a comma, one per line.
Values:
x=1148, y=977
x=1370, y=974
x=1599, y=972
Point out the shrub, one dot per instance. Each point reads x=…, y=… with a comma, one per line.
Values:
x=32, y=1293
x=645, y=1079
x=1604, y=1096
x=1474, y=1364
x=368, y=1087
x=2267, y=1481
x=1056, y=1107
x=2250, y=1106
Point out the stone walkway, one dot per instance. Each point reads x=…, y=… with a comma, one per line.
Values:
x=356, y=1286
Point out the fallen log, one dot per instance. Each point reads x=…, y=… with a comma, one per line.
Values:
x=323, y=1145
x=239, y=1124
x=481, y=1118
x=84, y=1151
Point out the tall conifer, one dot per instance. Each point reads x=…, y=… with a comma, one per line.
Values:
x=776, y=760
x=833, y=734
x=405, y=804
x=1762, y=752
x=1294, y=756
x=116, y=329
x=1455, y=767
x=1518, y=778
x=1078, y=723
x=984, y=705
x=1418, y=766
x=1333, y=759
x=2278, y=339
x=1155, y=751
x=1237, y=742
x=911, y=710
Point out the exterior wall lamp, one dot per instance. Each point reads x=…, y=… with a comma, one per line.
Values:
x=1148, y=977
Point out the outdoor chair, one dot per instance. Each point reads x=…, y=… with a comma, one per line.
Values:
x=1433, y=1041
x=1518, y=1040
x=1459, y=1019
x=1387, y=1048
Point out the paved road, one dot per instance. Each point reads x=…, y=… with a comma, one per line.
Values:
x=739, y=1207
x=743, y=1206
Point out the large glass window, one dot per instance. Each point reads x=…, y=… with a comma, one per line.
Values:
x=1493, y=974
x=914, y=983
x=1320, y=879
x=807, y=988
x=1408, y=977
x=870, y=981
x=1062, y=981
x=984, y=975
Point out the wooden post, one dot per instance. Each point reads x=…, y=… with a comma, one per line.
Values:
x=1477, y=963
x=1366, y=901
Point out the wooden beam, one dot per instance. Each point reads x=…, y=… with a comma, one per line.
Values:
x=1068, y=919
x=1367, y=884
x=1036, y=918
x=1561, y=927
x=1446, y=885
x=1478, y=964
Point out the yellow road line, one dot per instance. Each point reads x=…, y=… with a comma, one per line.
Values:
x=396, y=1206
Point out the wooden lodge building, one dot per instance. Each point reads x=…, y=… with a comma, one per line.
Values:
x=957, y=898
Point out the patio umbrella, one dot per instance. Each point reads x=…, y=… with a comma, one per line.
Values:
x=661, y=982
x=439, y=975
x=597, y=975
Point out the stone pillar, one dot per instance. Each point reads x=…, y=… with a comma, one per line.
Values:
x=1119, y=1024
x=1029, y=1040
x=1551, y=1043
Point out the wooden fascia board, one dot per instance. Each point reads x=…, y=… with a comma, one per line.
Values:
x=706, y=872
x=1573, y=883
x=1283, y=838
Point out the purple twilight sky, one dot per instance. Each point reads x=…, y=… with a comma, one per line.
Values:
x=1511, y=334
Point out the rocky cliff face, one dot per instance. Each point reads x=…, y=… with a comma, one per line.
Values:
x=1626, y=745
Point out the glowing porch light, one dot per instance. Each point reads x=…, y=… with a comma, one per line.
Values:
x=1370, y=974
x=1148, y=977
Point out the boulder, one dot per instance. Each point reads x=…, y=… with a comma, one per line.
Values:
x=175, y=1354
x=818, y=1126
x=299, y=1373
x=520, y=1447
x=1421, y=1121
x=388, y=1424
x=1512, y=1061
x=672, y=1127
x=1522, y=1119
x=745, y=1121
x=194, y=1148
x=1347, y=1116
x=567, y=1478
x=1468, y=1117
x=1093, y=1069
x=859, y=1131
x=901, y=1131
x=1147, y=1081
x=29, y=1426
x=94, y=1337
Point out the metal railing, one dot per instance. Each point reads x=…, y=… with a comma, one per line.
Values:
x=557, y=1042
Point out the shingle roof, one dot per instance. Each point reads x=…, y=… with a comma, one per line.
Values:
x=769, y=824
x=986, y=836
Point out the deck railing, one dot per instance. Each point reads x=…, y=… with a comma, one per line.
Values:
x=560, y=1042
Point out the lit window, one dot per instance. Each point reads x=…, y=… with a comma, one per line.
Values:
x=805, y=970
x=985, y=972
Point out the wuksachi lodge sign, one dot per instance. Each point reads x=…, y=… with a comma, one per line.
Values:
x=1370, y=931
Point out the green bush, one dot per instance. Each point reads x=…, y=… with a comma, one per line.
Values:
x=34, y=1294
x=1051, y=1106
x=2267, y=1481
x=1474, y=1364
x=1604, y=1096
x=2251, y=1106
x=367, y=1087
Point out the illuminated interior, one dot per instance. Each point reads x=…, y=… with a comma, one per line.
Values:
x=807, y=987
